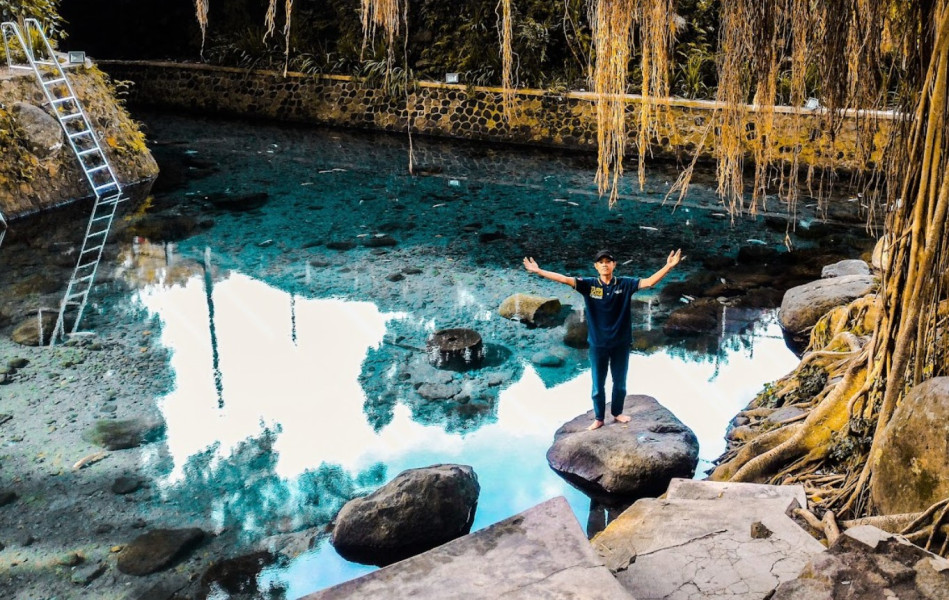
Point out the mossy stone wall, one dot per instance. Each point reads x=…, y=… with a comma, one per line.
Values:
x=565, y=120
x=32, y=180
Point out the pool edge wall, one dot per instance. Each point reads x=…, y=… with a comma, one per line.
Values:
x=807, y=138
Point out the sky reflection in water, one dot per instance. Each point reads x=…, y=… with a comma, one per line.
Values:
x=304, y=385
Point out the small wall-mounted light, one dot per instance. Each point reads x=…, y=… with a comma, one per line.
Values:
x=77, y=57
x=451, y=77
x=812, y=103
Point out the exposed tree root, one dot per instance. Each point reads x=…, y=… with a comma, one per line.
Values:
x=812, y=438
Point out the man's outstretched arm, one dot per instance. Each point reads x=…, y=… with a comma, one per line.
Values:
x=531, y=265
x=671, y=261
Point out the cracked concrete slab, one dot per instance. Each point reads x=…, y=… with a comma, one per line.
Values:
x=690, y=489
x=539, y=553
x=692, y=549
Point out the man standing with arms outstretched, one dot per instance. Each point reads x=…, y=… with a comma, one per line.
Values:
x=609, y=326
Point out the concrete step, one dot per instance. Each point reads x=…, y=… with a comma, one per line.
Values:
x=539, y=553
x=690, y=549
x=690, y=489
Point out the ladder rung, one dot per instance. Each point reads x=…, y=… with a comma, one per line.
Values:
x=105, y=216
x=64, y=100
x=70, y=117
x=97, y=169
x=73, y=136
x=86, y=251
x=56, y=81
x=87, y=152
x=105, y=186
x=95, y=233
x=86, y=278
x=86, y=265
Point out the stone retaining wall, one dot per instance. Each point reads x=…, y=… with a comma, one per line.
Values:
x=38, y=169
x=566, y=120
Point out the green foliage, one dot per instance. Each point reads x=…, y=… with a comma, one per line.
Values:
x=853, y=443
x=45, y=11
x=695, y=72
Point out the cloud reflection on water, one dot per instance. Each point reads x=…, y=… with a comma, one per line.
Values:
x=305, y=387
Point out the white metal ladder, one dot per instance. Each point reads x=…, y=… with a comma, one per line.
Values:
x=3, y=232
x=84, y=142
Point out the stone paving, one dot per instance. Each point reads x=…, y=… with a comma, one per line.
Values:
x=708, y=540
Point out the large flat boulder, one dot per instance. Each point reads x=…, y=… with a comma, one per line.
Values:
x=804, y=305
x=416, y=511
x=913, y=470
x=728, y=548
x=866, y=562
x=632, y=460
x=539, y=553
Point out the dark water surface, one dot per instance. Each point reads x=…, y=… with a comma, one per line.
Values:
x=293, y=366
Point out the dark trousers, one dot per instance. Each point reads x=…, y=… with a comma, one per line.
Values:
x=616, y=359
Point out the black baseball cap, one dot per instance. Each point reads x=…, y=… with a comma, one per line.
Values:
x=604, y=254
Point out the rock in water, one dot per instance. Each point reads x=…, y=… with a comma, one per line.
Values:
x=120, y=435
x=632, y=460
x=805, y=304
x=157, y=550
x=529, y=309
x=701, y=316
x=417, y=511
x=845, y=267
x=457, y=348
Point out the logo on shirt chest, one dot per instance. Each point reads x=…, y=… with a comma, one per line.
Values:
x=596, y=292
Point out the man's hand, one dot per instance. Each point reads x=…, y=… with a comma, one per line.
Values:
x=674, y=258
x=531, y=265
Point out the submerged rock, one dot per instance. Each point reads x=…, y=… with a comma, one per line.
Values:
x=700, y=316
x=237, y=575
x=913, y=471
x=157, y=550
x=120, y=435
x=380, y=241
x=164, y=228
x=238, y=202
x=417, y=511
x=635, y=459
x=547, y=359
x=125, y=485
x=577, y=331
x=341, y=245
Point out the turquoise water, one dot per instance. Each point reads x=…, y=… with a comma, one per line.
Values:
x=293, y=366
